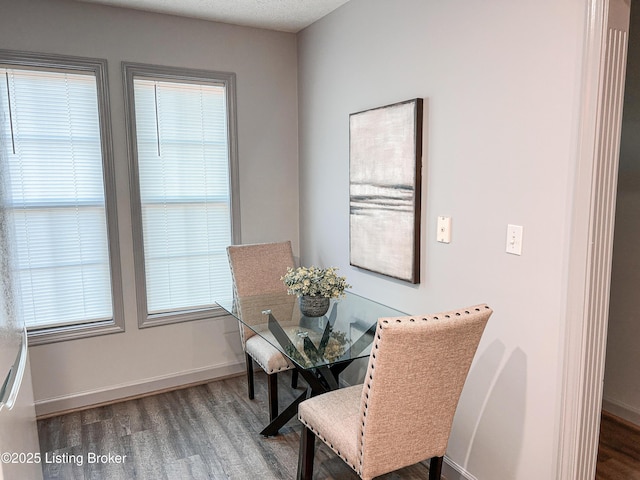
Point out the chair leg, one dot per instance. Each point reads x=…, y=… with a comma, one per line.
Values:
x=272, y=388
x=306, y=454
x=435, y=468
x=249, y=362
x=294, y=378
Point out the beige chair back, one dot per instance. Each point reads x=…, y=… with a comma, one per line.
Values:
x=416, y=371
x=257, y=270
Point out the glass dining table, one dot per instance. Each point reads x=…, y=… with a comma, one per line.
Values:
x=320, y=348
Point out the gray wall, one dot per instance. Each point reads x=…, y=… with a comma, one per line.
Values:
x=622, y=382
x=501, y=83
x=73, y=373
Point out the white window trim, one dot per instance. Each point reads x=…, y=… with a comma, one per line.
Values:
x=131, y=70
x=99, y=68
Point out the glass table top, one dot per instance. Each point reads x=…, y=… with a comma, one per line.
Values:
x=343, y=334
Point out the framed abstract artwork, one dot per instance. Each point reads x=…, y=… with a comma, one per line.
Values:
x=385, y=157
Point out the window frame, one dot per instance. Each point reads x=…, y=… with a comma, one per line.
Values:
x=164, y=73
x=97, y=67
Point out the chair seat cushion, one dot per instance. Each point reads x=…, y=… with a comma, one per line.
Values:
x=266, y=355
x=335, y=418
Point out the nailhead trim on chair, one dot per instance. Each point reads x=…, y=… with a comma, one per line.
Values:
x=242, y=336
x=337, y=452
x=272, y=370
x=367, y=387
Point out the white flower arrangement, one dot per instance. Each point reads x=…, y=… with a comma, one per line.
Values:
x=315, y=281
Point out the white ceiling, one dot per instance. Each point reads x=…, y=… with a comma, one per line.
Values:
x=283, y=15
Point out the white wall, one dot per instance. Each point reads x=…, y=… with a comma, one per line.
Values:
x=72, y=373
x=501, y=81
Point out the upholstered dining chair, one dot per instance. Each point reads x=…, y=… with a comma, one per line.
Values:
x=257, y=269
x=403, y=412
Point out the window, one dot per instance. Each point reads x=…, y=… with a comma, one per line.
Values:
x=55, y=139
x=182, y=149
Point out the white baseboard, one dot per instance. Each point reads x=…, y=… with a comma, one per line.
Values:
x=452, y=471
x=109, y=394
x=619, y=409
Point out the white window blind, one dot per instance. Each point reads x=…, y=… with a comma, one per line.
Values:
x=185, y=200
x=49, y=125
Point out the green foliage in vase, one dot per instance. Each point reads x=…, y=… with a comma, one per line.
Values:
x=315, y=281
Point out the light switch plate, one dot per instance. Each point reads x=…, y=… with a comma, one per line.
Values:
x=514, y=239
x=444, y=229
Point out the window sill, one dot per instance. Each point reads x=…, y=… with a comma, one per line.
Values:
x=42, y=336
x=155, y=320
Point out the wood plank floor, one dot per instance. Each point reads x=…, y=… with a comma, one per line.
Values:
x=619, y=449
x=208, y=431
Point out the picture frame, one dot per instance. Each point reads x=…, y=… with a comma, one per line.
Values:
x=385, y=173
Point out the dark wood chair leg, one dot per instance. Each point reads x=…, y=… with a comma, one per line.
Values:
x=435, y=468
x=249, y=362
x=294, y=378
x=305, y=457
x=272, y=388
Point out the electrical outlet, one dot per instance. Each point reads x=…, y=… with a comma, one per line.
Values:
x=444, y=229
